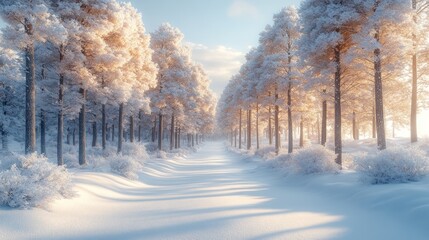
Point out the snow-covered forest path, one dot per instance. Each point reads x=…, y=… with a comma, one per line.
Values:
x=211, y=194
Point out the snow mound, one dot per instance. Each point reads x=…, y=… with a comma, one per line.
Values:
x=31, y=181
x=393, y=165
x=315, y=159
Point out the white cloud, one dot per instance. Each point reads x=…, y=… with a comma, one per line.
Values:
x=220, y=63
x=242, y=8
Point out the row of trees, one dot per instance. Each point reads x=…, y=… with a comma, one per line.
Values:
x=90, y=61
x=359, y=56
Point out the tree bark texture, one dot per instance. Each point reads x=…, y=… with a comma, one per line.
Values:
x=160, y=127
x=131, y=129
x=42, y=132
x=82, y=128
x=337, y=127
x=276, y=125
x=30, y=93
x=172, y=132
x=103, y=126
x=120, y=127
x=94, y=134
x=249, y=129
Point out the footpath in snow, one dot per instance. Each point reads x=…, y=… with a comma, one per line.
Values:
x=212, y=194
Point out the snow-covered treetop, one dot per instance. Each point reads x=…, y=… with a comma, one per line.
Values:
x=34, y=18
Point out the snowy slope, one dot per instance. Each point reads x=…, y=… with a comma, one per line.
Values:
x=214, y=194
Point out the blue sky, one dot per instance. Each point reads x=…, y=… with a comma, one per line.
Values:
x=219, y=32
x=231, y=23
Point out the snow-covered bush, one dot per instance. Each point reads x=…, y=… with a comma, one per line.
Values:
x=393, y=165
x=161, y=155
x=266, y=152
x=136, y=150
x=31, y=181
x=282, y=161
x=130, y=161
x=98, y=158
x=151, y=147
x=126, y=166
x=315, y=159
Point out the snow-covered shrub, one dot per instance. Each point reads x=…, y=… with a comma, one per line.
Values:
x=282, y=161
x=161, y=155
x=130, y=161
x=266, y=152
x=71, y=160
x=98, y=158
x=151, y=147
x=136, y=150
x=32, y=181
x=393, y=165
x=126, y=166
x=315, y=159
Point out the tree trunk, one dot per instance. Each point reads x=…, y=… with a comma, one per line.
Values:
x=301, y=133
x=235, y=137
x=74, y=136
x=276, y=124
x=82, y=130
x=68, y=136
x=94, y=134
x=193, y=141
x=4, y=138
x=60, y=120
x=337, y=128
x=249, y=129
x=239, y=131
x=30, y=93
x=257, y=126
x=107, y=132
x=120, y=127
x=289, y=97
x=154, y=130
x=176, y=138
x=413, y=123
x=179, y=138
x=113, y=132
x=131, y=129
x=160, y=132
x=42, y=132
x=140, y=126
x=324, y=120
x=289, y=118
x=172, y=132
x=103, y=126
x=379, y=113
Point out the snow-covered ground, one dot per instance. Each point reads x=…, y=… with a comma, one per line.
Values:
x=216, y=194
